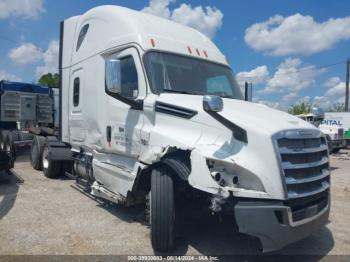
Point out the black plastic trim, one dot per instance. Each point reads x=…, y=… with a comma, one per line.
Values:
x=238, y=132
x=134, y=104
x=175, y=110
x=60, y=61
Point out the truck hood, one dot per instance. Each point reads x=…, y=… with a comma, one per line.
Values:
x=247, y=115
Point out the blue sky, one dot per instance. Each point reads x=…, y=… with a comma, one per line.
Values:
x=278, y=45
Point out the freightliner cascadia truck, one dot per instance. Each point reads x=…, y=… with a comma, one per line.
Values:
x=150, y=112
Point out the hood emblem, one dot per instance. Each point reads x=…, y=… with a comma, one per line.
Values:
x=305, y=132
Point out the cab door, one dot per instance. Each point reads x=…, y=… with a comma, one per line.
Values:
x=125, y=89
x=124, y=116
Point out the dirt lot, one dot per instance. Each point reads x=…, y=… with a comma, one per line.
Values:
x=42, y=216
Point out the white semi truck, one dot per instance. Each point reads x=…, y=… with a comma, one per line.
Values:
x=339, y=120
x=333, y=133
x=150, y=111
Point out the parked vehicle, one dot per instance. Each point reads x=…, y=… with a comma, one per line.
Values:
x=23, y=107
x=339, y=120
x=150, y=112
x=334, y=134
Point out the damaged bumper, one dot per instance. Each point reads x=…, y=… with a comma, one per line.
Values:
x=273, y=223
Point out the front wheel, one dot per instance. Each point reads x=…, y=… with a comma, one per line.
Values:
x=162, y=209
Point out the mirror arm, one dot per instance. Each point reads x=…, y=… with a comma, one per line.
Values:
x=134, y=104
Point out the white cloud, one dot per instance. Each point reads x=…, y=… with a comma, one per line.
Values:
x=206, y=20
x=50, y=59
x=336, y=87
x=26, y=53
x=159, y=8
x=256, y=76
x=334, y=94
x=275, y=105
x=24, y=8
x=289, y=97
x=8, y=76
x=291, y=76
x=296, y=34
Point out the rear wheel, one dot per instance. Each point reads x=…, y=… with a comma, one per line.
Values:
x=36, y=151
x=51, y=169
x=162, y=209
x=9, y=144
x=3, y=135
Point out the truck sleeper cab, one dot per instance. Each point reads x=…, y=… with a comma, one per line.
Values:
x=150, y=111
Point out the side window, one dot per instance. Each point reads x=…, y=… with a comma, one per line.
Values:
x=76, y=91
x=121, y=77
x=82, y=35
x=129, y=79
x=219, y=85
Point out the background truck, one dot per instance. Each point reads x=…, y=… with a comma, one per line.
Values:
x=334, y=133
x=150, y=112
x=24, y=107
x=338, y=120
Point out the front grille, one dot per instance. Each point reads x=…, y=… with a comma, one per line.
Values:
x=308, y=206
x=304, y=162
x=340, y=133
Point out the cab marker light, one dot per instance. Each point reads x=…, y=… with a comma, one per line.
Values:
x=199, y=54
x=152, y=42
x=205, y=53
x=189, y=50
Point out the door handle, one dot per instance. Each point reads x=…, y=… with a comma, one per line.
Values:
x=109, y=134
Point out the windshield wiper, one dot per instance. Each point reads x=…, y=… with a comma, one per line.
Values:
x=180, y=92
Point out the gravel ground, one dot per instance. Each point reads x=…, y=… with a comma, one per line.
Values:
x=41, y=216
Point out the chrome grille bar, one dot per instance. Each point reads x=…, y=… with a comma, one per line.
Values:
x=286, y=150
x=304, y=161
x=288, y=165
x=294, y=181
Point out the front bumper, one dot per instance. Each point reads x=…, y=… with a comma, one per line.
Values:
x=273, y=223
x=341, y=143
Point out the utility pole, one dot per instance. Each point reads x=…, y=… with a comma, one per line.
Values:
x=347, y=85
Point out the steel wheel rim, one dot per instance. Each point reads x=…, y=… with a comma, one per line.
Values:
x=45, y=158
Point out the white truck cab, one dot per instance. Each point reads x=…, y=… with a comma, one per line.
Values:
x=150, y=111
x=334, y=134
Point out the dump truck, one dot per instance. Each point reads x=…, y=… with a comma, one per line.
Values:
x=24, y=107
x=150, y=112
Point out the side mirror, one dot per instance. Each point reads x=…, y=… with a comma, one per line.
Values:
x=248, y=92
x=212, y=103
x=113, y=77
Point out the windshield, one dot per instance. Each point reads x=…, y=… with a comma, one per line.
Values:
x=179, y=74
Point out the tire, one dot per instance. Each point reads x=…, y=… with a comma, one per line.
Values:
x=4, y=134
x=329, y=144
x=51, y=169
x=162, y=209
x=336, y=150
x=36, y=151
x=9, y=143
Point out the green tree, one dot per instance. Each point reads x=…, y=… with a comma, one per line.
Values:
x=50, y=80
x=301, y=107
x=337, y=107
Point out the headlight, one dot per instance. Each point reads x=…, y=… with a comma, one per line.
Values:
x=232, y=175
